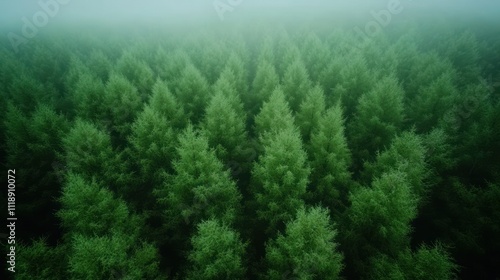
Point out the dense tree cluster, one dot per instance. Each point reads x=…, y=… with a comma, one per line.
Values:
x=297, y=154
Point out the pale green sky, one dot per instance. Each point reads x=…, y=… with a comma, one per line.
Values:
x=13, y=11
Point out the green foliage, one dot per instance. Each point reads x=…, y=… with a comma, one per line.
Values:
x=103, y=235
x=123, y=102
x=378, y=118
x=424, y=71
x=329, y=78
x=266, y=50
x=232, y=87
x=100, y=65
x=274, y=116
x=104, y=214
x=32, y=144
x=152, y=145
x=310, y=111
x=307, y=249
x=117, y=256
x=27, y=93
x=330, y=160
x=217, y=252
x=354, y=80
x=280, y=178
x=137, y=72
x=439, y=152
x=379, y=220
x=224, y=128
x=463, y=53
x=178, y=60
x=236, y=72
x=406, y=154
x=425, y=263
x=88, y=98
x=211, y=58
x=432, y=263
x=315, y=54
x=40, y=261
x=167, y=105
x=296, y=83
x=126, y=143
x=193, y=92
x=88, y=152
x=265, y=82
x=200, y=188
x=473, y=231
x=432, y=102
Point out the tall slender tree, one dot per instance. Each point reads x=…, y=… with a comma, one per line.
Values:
x=193, y=92
x=310, y=111
x=217, y=253
x=378, y=221
x=280, y=179
x=265, y=81
x=307, y=249
x=330, y=161
x=199, y=188
x=296, y=83
x=378, y=118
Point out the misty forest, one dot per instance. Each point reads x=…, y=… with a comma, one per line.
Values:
x=279, y=148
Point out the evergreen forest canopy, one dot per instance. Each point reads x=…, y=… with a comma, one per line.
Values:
x=258, y=152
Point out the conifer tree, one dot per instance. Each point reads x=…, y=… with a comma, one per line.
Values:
x=355, y=80
x=105, y=215
x=218, y=252
x=88, y=151
x=137, y=72
x=432, y=102
x=32, y=144
x=100, y=65
x=166, y=104
x=178, y=61
x=426, y=263
x=406, y=154
x=88, y=98
x=330, y=160
x=228, y=86
x=316, y=55
x=432, y=263
x=296, y=83
x=193, y=92
x=463, y=52
x=280, y=178
x=152, y=149
x=266, y=51
x=307, y=249
x=237, y=72
x=114, y=256
x=212, y=58
x=310, y=111
x=26, y=92
x=123, y=102
x=274, y=116
x=200, y=187
x=424, y=71
x=378, y=221
x=378, y=118
x=286, y=52
x=330, y=78
x=41, y=261
x=103, y=236
x=224, y=128
x=265, y=81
